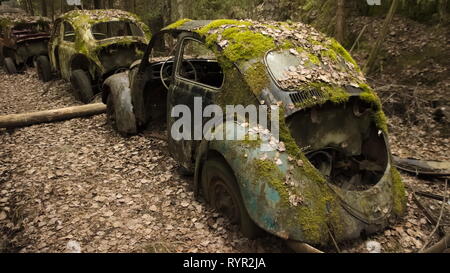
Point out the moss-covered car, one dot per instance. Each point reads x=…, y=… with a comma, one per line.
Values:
x=330, y=175
x=87, y=46
x=23, y=40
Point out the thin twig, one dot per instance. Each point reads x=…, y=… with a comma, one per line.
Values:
x=334, y=241
x=357, y=39
x=438, y=221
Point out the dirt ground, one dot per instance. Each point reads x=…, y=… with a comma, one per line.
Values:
x=79, y=181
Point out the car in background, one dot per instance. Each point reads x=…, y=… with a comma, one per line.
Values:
x=87, y=46
x=23, y=41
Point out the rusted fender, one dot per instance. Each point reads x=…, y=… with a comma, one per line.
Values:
x=287, y=200
x=118, y=87
x=424, y=167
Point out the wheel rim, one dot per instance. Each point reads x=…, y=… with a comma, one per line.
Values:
x=224, y=201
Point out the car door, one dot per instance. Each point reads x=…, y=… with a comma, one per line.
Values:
x=193, y=87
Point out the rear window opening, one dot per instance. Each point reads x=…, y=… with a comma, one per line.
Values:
x=343, y=143
x=112, y=29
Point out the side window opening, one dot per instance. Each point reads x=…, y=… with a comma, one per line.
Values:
x=198, y=63
x=112, y=29
x=69, y=33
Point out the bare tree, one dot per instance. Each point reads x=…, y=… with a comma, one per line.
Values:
x=443, y=11
x=374, y=53
x=63, y=6
x=29, y=3
x=340, y=21
x=98, y=4
x=110, y=4
x=44, y=8
x=52, y=9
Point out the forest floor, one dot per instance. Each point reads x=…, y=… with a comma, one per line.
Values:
x=79, y=180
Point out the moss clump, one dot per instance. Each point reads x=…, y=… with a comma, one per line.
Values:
x=257, y=78
x=330, y=54
x=178, y=23
x=398, y=193
x=269, y=170
x=369, y=96
x=337, y=47
x=245, y=45
x=252, y=143
x=335, y=94
x=218, y=23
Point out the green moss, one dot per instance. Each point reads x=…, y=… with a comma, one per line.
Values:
x=235, y=90
x=330, y=54
x=245, y=45
x=252, y=143
x=369, y=96
x=398, y=192
x=218, y=23
x=269, y=171
x=178, y=23
x=257, y=78
x=337, y=47
x=333, y=93
x=287, y=45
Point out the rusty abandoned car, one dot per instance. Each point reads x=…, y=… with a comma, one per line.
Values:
x=330, y=176
x=23, y=41
x=87, y=46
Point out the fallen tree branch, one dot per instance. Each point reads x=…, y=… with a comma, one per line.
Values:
x=431, y=195
x=440, y=246
x=358, y=38
x=26, y=119
x=438, y=221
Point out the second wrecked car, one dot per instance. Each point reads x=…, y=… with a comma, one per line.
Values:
x=23, y=40
x=87, y=46
x=329, y=176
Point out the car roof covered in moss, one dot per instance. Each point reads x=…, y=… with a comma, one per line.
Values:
x=242, y=42
x=84, y=19
x=98, y=16
x=13, y=19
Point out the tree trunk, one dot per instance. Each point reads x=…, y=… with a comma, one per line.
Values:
x=98, y=4
x=374, y=53
x=19, y=120
x=110, y=4
x=443, y=12
x=44, y=8
x=63, y=6
x=30, y=7
x=52, y=10
x=340, y=21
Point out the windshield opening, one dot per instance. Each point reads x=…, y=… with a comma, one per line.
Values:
x=112, y=29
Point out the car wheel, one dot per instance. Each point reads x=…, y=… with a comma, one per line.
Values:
x=81, y=85
x=10, y=65
x=225, y=197
x=43, y=68
x=111, y=112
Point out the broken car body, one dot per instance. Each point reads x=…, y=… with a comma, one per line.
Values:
x=87, y=46
x=23, y=39
x=330, y=176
